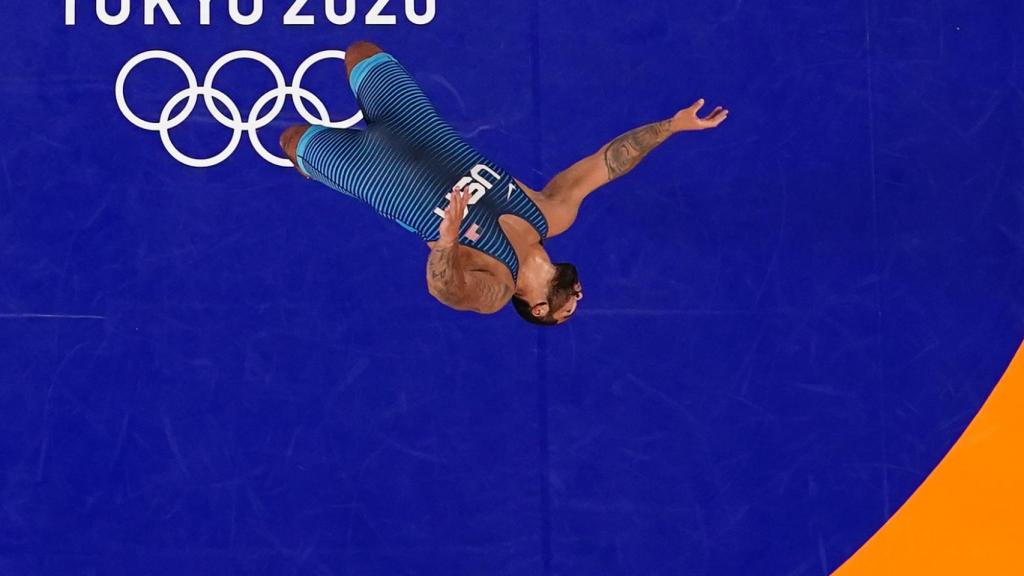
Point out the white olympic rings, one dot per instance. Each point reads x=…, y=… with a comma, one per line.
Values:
x=235, y=121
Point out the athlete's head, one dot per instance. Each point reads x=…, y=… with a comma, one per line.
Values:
x=563, y=294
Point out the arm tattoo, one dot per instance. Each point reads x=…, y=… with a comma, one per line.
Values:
x=441, y=267
x=626, y=151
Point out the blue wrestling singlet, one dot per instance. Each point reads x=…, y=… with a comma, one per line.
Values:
x=407, y=160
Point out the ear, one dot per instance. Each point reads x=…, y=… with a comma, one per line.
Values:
x=540, y=310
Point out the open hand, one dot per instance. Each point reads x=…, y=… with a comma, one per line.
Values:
x=687, y=118
x=453, y=214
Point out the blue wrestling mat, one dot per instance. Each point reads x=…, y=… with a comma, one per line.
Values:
x=209, y=365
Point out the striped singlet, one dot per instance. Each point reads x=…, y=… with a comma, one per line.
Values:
x=406, y=161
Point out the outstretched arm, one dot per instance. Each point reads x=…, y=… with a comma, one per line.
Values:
x=569, y=188
x=476, y=290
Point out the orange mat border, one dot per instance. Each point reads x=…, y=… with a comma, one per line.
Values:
x=967, y=518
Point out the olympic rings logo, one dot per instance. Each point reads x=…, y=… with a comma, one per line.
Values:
x=250, y=125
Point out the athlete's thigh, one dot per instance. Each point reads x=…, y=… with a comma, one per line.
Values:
x=340, y=158
x=389, y=96
x=366, y=164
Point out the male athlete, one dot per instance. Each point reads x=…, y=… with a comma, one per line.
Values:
x=485, y=229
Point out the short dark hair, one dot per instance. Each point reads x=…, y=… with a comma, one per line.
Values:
x=559, y=292
x=526, y=311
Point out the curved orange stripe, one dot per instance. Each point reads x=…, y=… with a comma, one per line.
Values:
x=967, y=518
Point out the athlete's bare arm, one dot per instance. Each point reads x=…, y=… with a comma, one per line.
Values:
x=566, y=191
x=450, y=278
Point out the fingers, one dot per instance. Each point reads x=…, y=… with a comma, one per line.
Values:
x=712, y=120
x=460, y=197
x=453, y=200
x=457, y=206
x=453, y=213
x=717, y=116
x=713, y=113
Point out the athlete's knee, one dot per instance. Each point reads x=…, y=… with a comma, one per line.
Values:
x=290, y=140
x=357, y=52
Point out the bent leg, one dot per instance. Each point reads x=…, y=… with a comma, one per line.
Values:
x=354, y=54
x=348, y=152
x=367, y=165
x=390, y=97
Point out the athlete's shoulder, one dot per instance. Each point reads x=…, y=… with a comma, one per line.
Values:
x=481, y=292
x=471, y=281
x=489, y=283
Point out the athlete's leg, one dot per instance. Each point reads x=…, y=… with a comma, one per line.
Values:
x=354, y=54
x=365, y=164
x=390, y=97
x=347, y=150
